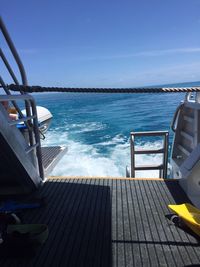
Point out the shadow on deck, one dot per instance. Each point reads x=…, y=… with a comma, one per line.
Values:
x=79, y=219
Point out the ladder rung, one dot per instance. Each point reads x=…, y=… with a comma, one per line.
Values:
x=188, y=119
x=187, y=136
x=14, y=122
x=150, y=151
x=149, y=167
x=182, y=149
x=29, y=149
x=150, y=133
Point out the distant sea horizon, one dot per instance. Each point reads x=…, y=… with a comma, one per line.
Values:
x=96, y=128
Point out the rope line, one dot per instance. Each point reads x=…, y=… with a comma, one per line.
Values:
x=35, y=89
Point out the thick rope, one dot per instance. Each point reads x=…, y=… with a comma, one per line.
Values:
x=34, y=89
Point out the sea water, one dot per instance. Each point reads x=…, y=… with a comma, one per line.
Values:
x=96, y=129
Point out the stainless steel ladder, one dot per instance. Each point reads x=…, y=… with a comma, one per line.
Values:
x=163, y=150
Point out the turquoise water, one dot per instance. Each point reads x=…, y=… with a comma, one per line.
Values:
x=96, y=128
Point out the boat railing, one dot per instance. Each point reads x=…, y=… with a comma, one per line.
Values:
x=30, y=120
x=13, y=76
x=15, y=55
x=163, y=151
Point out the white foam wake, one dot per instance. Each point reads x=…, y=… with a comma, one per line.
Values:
x=86, y=160
x=87, y=127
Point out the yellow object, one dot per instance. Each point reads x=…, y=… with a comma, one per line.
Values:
x=12, y=110
x=189, y=214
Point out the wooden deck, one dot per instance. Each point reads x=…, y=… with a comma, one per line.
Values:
x=110, y=222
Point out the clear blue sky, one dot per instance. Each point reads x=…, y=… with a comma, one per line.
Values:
x=106, y=42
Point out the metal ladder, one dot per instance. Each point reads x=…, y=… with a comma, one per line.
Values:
x=163, y=151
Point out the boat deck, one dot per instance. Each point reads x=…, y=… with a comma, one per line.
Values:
x=110, y=222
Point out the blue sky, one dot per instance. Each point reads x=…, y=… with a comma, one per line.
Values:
x=107, y=42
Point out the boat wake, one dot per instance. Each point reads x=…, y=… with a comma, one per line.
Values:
x=88, y=160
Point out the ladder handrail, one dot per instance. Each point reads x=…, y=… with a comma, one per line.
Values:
x=177, y=112
x=14, y=52
x=32, y=124
x=21, y=70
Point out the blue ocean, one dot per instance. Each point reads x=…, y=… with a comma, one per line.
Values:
x=96, y=129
